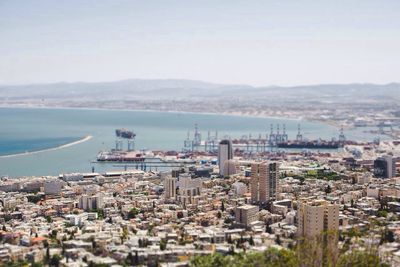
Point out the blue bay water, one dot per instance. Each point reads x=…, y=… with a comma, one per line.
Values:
x=26, y=129
x=14, y=146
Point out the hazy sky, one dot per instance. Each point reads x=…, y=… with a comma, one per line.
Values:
x=226, y=41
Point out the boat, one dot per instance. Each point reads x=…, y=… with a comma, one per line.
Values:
x=124, y=133
x=120, y=156
x=317, y=144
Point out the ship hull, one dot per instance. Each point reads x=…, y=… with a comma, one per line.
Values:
x=309, y=145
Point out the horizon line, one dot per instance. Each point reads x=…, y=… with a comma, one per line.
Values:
x=195, y=80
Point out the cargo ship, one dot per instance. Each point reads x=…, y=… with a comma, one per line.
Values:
x=120, y=156
x=124, y=133
x=315, y=144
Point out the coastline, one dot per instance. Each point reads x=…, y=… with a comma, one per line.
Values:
x=232, y=113
x=82, y=140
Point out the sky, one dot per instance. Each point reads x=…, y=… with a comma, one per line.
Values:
x=259, y=43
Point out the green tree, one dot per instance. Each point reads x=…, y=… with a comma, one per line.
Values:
x=328, y=189
x=163, y=244
x=251, y=241
x=387, y=236
x=55, y=260
x=306, y=253
x=219, y=215
x=54, y=233
x=130, y=260
x=136, y=262
x=357, y=258
x=133, y=213
x=34, y=198
x=382, y=213
x=278, y=240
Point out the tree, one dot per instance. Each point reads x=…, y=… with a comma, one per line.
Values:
x=125, y=234
x=219, y=214
x=268, y=228
x=132, y=213
x=179, y=214
x=382, y=213
x=54, y=233
x=251, y=241
x=278, y=240
x=232, y=250
x=55, y=260
x=273, y=257
x=357, y=258
x=34, y=198
x=163, y=244
x=387, y=236
x=63, y=249
x=46, y=245
x=222, y=206
x=328, y=189
x=228, y=220
x=390, y=236
x=136, y=258
x=130, y=259
x=100, y=214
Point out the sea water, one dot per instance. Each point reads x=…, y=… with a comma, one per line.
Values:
x=33, y=129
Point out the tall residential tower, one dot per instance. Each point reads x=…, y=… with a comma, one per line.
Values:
x=225, y=153
x=264, y=181
x=316, y=217
x=170, y=187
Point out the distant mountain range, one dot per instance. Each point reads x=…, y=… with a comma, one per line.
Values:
x=139, y=89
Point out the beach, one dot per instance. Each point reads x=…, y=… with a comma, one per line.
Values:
x=155, y=131
x=86, y=138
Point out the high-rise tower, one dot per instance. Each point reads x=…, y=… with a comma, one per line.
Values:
x=264, y=181
x=225, y=153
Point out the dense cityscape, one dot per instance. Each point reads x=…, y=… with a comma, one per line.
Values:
x=220, y=201
x=229, y=133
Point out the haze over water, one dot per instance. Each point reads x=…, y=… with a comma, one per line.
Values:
x=25, y=129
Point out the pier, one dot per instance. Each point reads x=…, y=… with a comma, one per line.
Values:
x=262, y=143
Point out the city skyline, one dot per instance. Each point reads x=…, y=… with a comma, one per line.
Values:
x=199, y=133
